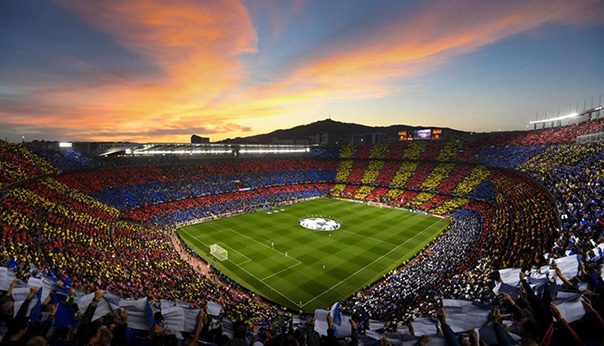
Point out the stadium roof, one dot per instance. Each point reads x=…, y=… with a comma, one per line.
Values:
x=206, y=149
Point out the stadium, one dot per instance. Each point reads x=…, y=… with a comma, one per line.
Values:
x=461, y=208
x=324, y=234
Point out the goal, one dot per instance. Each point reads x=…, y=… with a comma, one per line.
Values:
x=218, y=252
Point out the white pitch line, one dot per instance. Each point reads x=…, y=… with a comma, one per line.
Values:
x=377, y=259
x=267, y=285
x=254, y=276
x=241, y=234
x=248, y=259
x=212, y=233
x=206, y=245
x=281, y=271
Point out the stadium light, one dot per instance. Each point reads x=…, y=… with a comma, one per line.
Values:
x=65, y=145
x=181, y=152
x=273, y=151
x=571, y=115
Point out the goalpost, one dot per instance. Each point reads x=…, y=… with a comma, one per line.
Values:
x=218, y=252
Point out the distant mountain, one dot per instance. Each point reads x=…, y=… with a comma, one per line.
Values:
x=337, y=131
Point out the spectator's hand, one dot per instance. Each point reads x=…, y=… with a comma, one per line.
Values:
x=32, y=292
x=522, y=276
x=329, y=321
x=53, y=309
x=555, y=312
x=385, y=341
x=424, y=340
x=353, y=324
x=200, y=317
x=72, y=292
x=411, y=330
x=508, y=298
x=587, y=304
x=441, y=314
x=473, y=337
x=124, y=315
x=496, y=315
x=98, y=294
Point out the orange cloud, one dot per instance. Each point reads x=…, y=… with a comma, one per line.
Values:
x=197, y=47
x=194, y=44
x=362, y=66
x=375, y=63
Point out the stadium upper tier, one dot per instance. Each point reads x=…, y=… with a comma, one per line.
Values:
x=514, y=197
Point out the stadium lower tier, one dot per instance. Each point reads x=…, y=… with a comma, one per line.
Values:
x=59, y=225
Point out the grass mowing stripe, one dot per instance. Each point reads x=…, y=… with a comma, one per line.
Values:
x=377, y=259
x=377, y=239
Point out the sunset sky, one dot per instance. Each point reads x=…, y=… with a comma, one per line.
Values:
x=159, y=71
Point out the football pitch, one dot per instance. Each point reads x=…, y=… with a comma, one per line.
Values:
x=302, y=269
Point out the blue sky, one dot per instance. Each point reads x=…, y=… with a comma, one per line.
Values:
x=159, y=71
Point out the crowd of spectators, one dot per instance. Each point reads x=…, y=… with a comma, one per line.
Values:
x=187, y=210
x=67, y=159
x=51, y=223
x=416, y=288
x=70, y=234
x=18, y=164
x=130, y=188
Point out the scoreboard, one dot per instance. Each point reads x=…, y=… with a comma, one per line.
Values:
x=421, y=134
x=404, y=136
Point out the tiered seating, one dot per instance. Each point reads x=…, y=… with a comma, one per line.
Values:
x=420, y=199
x=434, y=202
x=451, y=149
x=421, y=173
x=17, y=163
x=379, y=150
x=432, y=150
x=404, y=172
x=387, y=172
x=414, y=150
x=347, y=151
x=344, y=170
x=363, y=192
x=191, y=209
x=440, y=172
x=478, y=174
x=363, y=151
x=379, y=194
x=51, y=222
x=457, y=174
x=129, y=188
x=373, y=170
x=357, y=170
x=338, y=189
x=396, y=150
x=450, y=205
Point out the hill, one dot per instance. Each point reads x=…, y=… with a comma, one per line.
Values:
x=338, y=133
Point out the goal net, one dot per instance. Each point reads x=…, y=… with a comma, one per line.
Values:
x=218, y=252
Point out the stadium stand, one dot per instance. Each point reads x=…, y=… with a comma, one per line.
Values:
x=516, y=199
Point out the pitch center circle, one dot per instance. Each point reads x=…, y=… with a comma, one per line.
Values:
x=320, y=223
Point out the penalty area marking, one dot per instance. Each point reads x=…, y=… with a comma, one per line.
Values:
x=223, y=245
x=377, y=259
x=252, y=275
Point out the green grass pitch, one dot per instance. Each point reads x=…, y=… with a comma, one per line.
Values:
x=371, y=242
